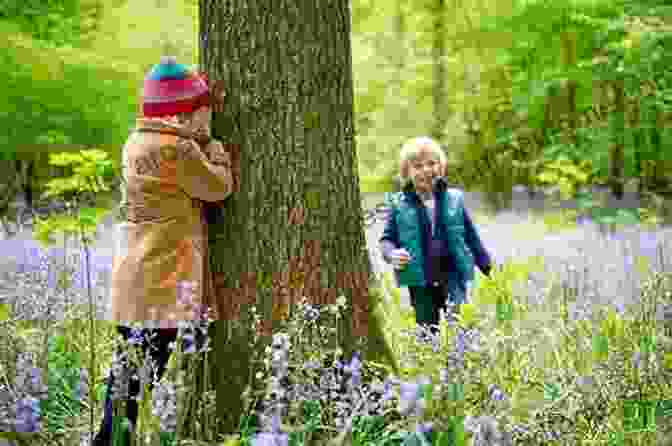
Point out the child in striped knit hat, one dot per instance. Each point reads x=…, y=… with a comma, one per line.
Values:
x=171, y=167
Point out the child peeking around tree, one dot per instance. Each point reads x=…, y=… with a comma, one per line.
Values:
x=429, y=237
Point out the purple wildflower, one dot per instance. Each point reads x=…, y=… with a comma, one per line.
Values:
x=82, y=389
x=495, y=393
x=269, y=439
x=27, y=415
x=582, y=220
x=354, y=368
x=636, y=359
x=387, y=391
x=424, y=428
x=551, y=435
x=460, y=343
x=28, y=378
x=52, y=279
x=411, y=398
x=648, y=244
x=135, y=337
x=188, y=344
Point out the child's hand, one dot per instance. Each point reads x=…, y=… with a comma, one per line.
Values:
x=202, y=136
x=399, y=258
x=216, y=154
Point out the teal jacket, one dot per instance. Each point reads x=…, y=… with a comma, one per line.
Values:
x=459, y=246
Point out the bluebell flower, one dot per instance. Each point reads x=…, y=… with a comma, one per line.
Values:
x=648, y=244
x=43, y=262
x=354, y=369
x=460, y=342
x=188, y=339
x=82, y=388
x=411, y=398
x=269, y=439
x=27, y=415
x=495, y=393
x=136, y=336
x=52, y=279
x=409, y=394
x=35, y=377
x=583, y=220
x=551, y=435
x=387, y=391
x=28, y=379
x=636, y=359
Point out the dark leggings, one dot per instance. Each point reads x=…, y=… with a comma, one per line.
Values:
x=159, y=353
x=428, y=301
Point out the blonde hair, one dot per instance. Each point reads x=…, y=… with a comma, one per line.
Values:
x=413, y=147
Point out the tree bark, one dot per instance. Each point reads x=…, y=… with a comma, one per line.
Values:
x=568, y=39
x=293, y=225
x=616, y=152
x=400, y=30
x=438, y=57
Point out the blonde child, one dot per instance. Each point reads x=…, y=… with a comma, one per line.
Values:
x=429, y=237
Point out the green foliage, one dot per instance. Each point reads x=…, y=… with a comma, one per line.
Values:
x=566, y=174
x=92, y=173
x=54, y=20
x=100, y=105
x=90, y=166
x=609, y=47
x=62, y=403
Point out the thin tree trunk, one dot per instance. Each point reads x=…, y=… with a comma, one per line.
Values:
x=568, y=57
x=616, y=152
x=293, y=225
x=400, y=30
x=438, y=56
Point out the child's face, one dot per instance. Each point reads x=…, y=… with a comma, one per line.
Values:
x=423, y=170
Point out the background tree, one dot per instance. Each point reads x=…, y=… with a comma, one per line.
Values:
x=438, y=56
x=293, y=224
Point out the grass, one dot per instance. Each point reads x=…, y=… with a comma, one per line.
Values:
x=525, y=365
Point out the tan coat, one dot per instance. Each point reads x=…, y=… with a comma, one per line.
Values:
x=162, y=245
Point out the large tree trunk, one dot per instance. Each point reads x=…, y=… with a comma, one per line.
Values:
x=293, y=225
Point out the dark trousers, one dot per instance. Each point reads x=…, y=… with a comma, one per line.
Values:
x=160, y=353
x=428, y=301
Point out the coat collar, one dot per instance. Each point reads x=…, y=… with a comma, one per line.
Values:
x=440, y=185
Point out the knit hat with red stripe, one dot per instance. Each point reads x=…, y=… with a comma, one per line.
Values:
x=171, y=88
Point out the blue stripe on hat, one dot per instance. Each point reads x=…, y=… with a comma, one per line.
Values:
x=168, y=70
